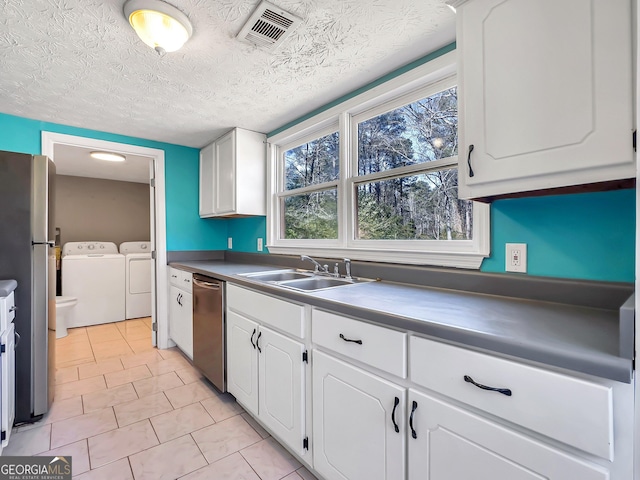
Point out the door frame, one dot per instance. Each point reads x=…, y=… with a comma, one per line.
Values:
x=158, y=294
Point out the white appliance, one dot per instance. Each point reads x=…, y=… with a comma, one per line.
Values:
x=93, y=272
x=138, y=281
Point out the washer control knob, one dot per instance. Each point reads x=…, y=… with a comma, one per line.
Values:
x=91, y=247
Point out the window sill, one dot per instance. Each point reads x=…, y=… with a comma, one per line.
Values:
x=413, y=257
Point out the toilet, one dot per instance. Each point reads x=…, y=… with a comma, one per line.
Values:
x=63, y=305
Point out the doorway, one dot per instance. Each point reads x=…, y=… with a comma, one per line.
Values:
x=55, y=142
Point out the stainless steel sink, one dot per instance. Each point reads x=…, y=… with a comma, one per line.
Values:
x=301, y=280
x=321, y=283
x=316, y=283
x=279, y=276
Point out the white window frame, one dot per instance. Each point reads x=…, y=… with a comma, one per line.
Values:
x=418, y=83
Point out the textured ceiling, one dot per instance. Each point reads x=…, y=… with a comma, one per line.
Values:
x=77, y=62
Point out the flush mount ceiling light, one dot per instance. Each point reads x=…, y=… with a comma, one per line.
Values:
x=108, y=156
x=161, y=26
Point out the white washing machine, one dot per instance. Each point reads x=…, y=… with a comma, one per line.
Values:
x=138, y=283
x=93, y=272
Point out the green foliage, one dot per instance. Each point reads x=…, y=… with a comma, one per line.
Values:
x=312, y=215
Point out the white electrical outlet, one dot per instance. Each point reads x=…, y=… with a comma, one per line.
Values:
x=259, y=244
x=516, y=257
x=229, y=243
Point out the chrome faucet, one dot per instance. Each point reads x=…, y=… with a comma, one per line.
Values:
x=319, y=268
x=347, y=267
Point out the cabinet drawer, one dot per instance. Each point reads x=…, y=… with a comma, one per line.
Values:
x=285, y=316
x=380, y=347
x=7, y=311
x=175, y=276
x=180, y=279
x=568, y=409
x=185, y=281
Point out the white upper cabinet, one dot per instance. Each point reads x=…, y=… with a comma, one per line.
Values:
x=545, y=94
x=233, y=175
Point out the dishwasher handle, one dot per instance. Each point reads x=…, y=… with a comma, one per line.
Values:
x=209, y=285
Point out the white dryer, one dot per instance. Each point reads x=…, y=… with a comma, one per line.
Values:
x=138, y=281
x=93, y=272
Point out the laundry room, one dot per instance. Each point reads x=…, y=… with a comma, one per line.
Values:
x=103, y=252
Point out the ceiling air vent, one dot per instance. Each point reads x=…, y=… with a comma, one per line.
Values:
x=268, y=26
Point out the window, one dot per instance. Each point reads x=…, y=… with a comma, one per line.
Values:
x=376, y=179
x=310, y=203
x=419, y=205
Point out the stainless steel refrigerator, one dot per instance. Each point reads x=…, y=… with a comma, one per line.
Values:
x=27, y=254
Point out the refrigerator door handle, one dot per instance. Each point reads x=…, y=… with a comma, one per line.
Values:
x=51, y=244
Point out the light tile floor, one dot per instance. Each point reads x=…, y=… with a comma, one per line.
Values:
x=126, y=410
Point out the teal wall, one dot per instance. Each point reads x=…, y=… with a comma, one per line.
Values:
x=246, y=231
x=587, y=236
x=185, y=229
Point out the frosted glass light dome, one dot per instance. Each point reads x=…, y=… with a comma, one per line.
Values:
x=158, y=24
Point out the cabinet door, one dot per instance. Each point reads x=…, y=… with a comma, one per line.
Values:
x=281, y=381
x=207, y=181
x=454, y=444
x=186, y=323
x=354, y=411
x=225, y=159
x=174, y=314
x=242, y=360
x=545, y=99
x=181, y=319
x=8, y=381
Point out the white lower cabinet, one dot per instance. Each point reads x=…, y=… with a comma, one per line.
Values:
x=383, y=404
x=281, y=380
x=266, y=374
x=452, y=443
x=181, y=319
x=355, y=414
x=8, y=359
x=242, y=361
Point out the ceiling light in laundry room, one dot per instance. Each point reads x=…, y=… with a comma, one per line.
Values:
x=108, y=156
x=158, y=24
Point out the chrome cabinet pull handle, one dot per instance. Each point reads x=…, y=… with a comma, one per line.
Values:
x=359, y=342
x=393, y=414
x=504, y=391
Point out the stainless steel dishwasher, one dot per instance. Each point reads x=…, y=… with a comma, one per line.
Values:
x=208, y=329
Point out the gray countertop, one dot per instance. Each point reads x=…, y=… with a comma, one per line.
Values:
x=7, y=286
x=578, y=338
